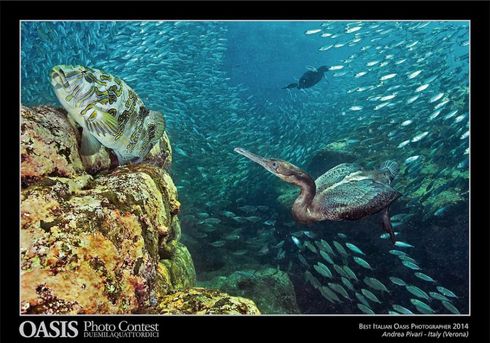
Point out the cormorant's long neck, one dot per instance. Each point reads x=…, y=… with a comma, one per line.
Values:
x=303, y=201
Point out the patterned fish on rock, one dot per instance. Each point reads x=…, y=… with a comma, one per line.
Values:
x=109, y=112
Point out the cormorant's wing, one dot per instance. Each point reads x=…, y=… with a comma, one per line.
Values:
x=334, y=175
x=357, y=198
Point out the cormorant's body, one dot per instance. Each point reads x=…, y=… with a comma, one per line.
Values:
x=345, y=192
x=309, y=78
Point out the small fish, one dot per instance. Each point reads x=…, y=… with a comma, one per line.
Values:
x=356, y=108
x=441, y=104
x=363, y=263
x=459, y=118
x=312, y=280
x=419, y=136
x=414, y=74
x=232, y=237
x=354, y=248
x=422, y=88
x=339, y=270
x=412, y=159
x=311, y=247
x=375, y=284
x=446, y=292
x=370, y=295
x=296, y=241
x=353, y=29
x=303, y=261
x=218, y=244
x=329, y=294
x=407, y=122
x=450, y=307
x=404, y=143
x=323, y=270
x=438, y=296
x=361, y=298
x=203, y=215
x=410, y=265
x=338, y=67
x=326, y=257
x=362, y=73
x=407, y=258
x=229, y=214
x=339, y=289
x=380, y=106
x=340, y=248
x=253, y=219
x=310, y=234
x=397, y=281
x=465, y=135
x=347, y=283
x=327, y=247
x=239, y=252
x=248, y=209
x=211, y=221
x=435, y=114
x=424, y=277
x=412, y=99
x=312, y=32
x=421, y=306
x=402, y=309
x=417, y=292
x=387, y=235
x=181, y=152
x=342, y=235
x=397, y=253
x=365, y=309
x=436, y=97
x=350, y=274
x=387, y=77
x=270, y=222
x=401, y=244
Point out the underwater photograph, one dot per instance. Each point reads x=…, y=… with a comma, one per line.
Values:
x=245, y=167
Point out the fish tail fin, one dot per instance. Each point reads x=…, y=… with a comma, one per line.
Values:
x=390, y=168
x=291, y=85
x=156, y=119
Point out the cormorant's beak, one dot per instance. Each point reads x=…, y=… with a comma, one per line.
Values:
x=264, y=162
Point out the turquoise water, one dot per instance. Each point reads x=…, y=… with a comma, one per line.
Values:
x=394, y=90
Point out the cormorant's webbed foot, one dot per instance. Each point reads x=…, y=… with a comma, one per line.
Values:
x=387, y=225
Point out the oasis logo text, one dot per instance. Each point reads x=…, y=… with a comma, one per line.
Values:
x=54, y=329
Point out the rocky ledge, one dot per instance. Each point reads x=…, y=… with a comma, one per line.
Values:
x=101, y=238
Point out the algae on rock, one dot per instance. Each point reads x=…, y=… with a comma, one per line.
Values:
x=101, y=243
x=270, y=288
x=205, y=301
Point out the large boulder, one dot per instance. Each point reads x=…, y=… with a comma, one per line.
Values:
x=97, y=237
x=205, y=301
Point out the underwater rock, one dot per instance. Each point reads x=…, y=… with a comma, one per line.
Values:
x=178, y=271
x=94, y=243
x=270, y=288
x=48, y=145
x=205, y=301
x=91, y=245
